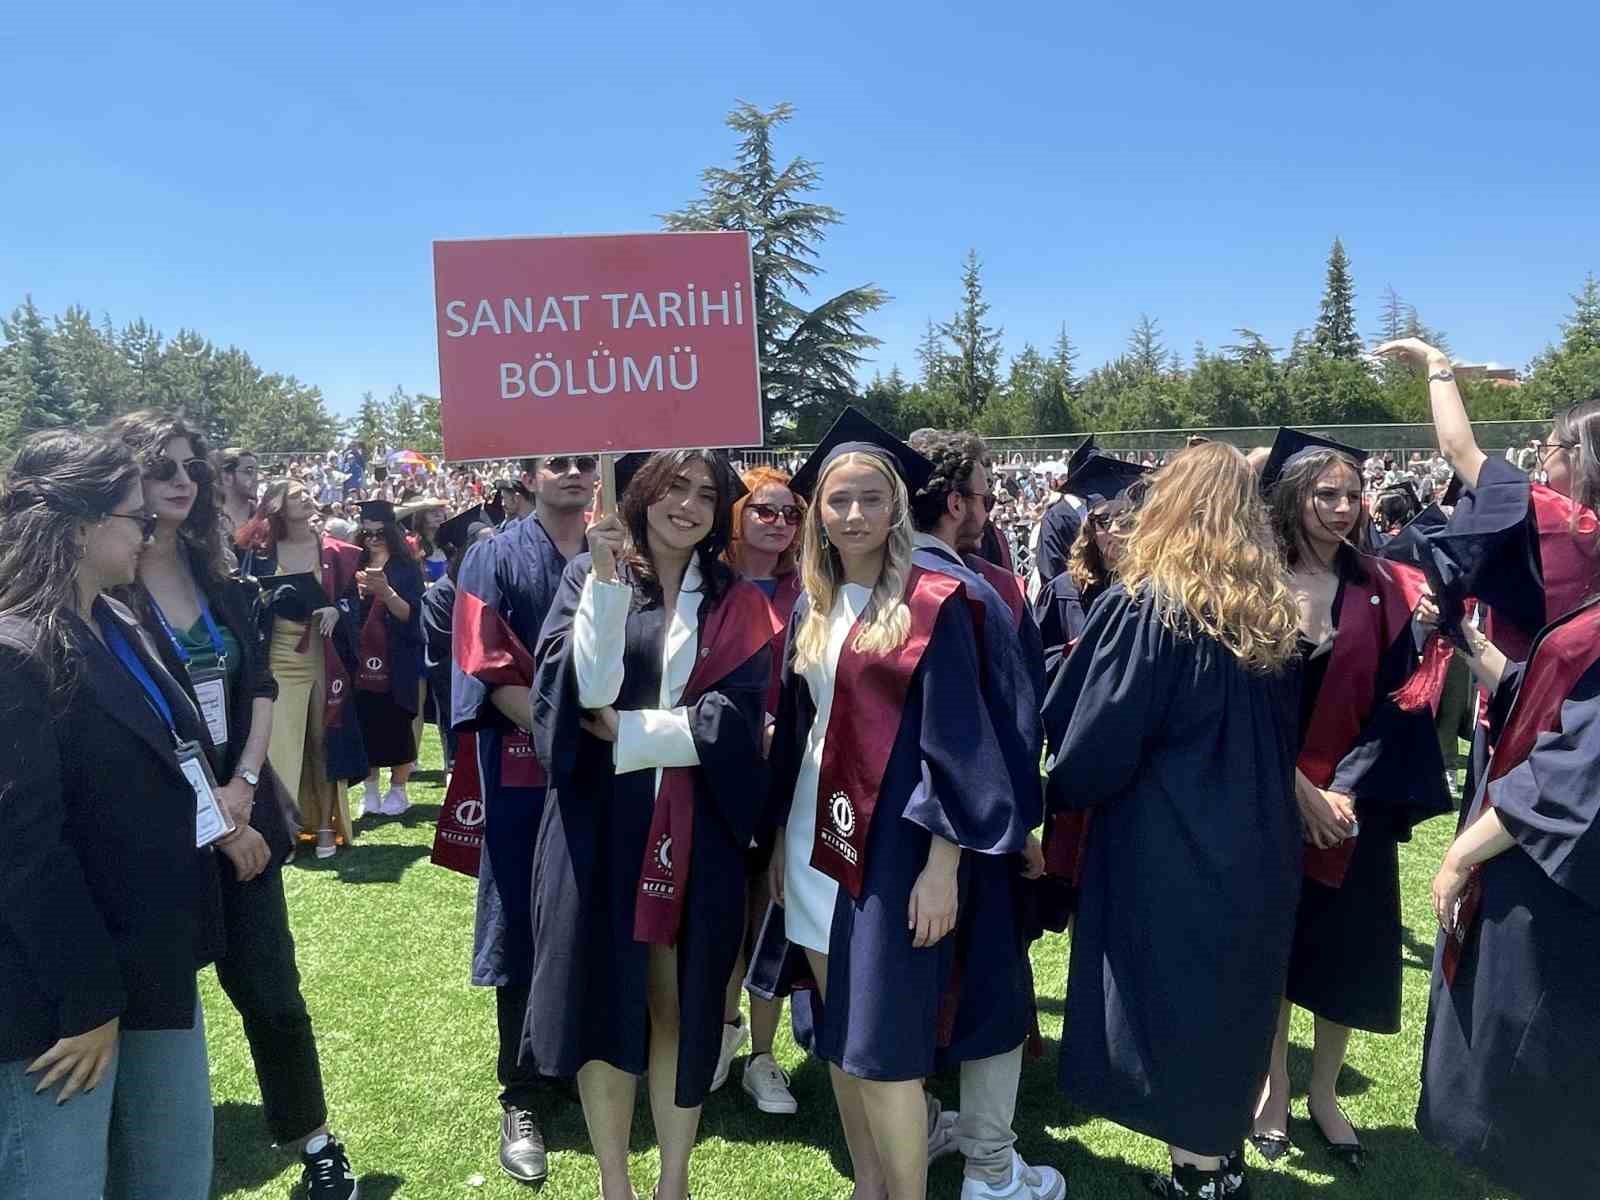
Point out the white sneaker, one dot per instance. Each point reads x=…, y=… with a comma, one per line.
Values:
x=733, y=1039
x=942, y=1140
x=371, y=800
x=326, y=846
x=766, y=1084
x=1026, y=1183
x=395, y=803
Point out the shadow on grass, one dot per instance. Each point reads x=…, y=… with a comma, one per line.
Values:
x=365, y=864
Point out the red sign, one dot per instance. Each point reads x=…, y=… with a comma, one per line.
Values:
x=559, y=345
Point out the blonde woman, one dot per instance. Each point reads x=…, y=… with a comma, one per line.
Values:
x=1180, y=732
x=892, y=794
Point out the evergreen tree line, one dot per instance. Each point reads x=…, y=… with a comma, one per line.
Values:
x=67, y=369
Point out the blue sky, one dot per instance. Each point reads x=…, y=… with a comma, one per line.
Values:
x=273, y=175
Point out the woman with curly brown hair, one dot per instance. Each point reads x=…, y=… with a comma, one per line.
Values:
x=1175, y=722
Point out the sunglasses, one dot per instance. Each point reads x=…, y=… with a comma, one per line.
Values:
x=147, y=521
x=562, y=463
x=768, y=514
x=163, y=470
x=987, y=499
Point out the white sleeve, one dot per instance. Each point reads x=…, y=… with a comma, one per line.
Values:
x=654, y=737
x=599, y=629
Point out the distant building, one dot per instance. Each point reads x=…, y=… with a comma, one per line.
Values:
x=1495, y=373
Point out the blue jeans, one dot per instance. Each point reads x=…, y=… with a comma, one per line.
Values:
x=143, y=1134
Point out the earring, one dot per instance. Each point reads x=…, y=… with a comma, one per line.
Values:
x=823, y=534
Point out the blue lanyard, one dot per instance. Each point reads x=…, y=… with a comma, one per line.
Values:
x=218, y=649
x=135, y=665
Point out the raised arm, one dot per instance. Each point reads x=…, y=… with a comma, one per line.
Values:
x=1450, y=422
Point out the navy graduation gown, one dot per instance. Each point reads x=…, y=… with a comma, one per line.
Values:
x=1346, y=964
x=1061, y=610
x=588, y=997
x=894, y=1011
x=1511, y=1060
x=1186, y=909
x=405, y=637
x=504, y=588
x=1058, y=529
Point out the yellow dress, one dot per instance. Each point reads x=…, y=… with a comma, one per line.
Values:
x=296, y=749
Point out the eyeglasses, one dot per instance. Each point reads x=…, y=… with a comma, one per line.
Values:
x=1549, y=448
x=147, y=521
x=165, y=469
x=562, y=463
x=987, y=499
x=1100, y=520
x=768, y=514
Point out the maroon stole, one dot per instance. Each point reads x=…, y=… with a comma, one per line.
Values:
x=734, y=633
x=1003, y=581
x=373, y=672
x=490, y=651
x=458, y=837
x=339, y=561
x=1559, y=658
x=869, y=700
x=1372, y=614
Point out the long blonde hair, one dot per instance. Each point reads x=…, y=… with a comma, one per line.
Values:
x=1202, y=547
x=886, y=621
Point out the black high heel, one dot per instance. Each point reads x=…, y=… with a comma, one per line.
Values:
x=1350, y=1155
x=1273, y=1146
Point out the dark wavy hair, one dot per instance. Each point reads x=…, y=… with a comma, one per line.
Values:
x=148, y=433
x=59, y=479
x=955, y=455
x=1286, y=504
x=649, y=485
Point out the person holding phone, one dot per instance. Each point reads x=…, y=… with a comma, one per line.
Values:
x=109, y=903
x=388, y=677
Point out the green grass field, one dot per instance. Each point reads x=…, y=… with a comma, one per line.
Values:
x=408, y=1055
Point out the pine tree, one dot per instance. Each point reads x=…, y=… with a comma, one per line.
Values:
x=1146, y=351
x=808, y=356
x=372, y=424
x=975, y=364
x=33, y=394
x=1581, y=331
x=1064, y=361
x=933, y=358
x=1335, y=335
x=1392, y=314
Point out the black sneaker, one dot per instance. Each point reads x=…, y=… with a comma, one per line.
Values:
x=327, y=1174
x=522, y=1153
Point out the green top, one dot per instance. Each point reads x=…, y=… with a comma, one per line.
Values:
x=196, y=643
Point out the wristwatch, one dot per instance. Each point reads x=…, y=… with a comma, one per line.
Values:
x=250, y=777
x=1443, y=375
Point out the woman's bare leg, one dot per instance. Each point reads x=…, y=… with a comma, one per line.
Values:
x=675, y=1127
x=608, y=1096
x=869, y=1177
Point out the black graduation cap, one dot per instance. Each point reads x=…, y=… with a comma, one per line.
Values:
x=494, y=510
x=856, y=433
x=1292, y=442
x=510, y=485
x=1102, y=477
x=1080, y=457
x=457, y=531
x=377, y=510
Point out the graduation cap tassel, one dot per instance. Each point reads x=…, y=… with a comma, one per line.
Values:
x=1426, y=684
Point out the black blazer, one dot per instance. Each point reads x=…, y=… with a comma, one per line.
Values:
x=233, y=603
x=106, y=907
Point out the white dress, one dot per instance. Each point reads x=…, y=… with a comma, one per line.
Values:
x=808, y=894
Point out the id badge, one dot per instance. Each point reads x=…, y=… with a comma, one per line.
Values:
x=210, y=820
x=211, y=690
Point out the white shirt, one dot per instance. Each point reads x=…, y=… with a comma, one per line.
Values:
x=647, y=737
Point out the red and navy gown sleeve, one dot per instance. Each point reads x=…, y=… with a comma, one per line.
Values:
x=1492, y=538
x=1550, y=800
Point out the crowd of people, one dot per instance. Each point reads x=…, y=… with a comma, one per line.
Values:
x=749, y=738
